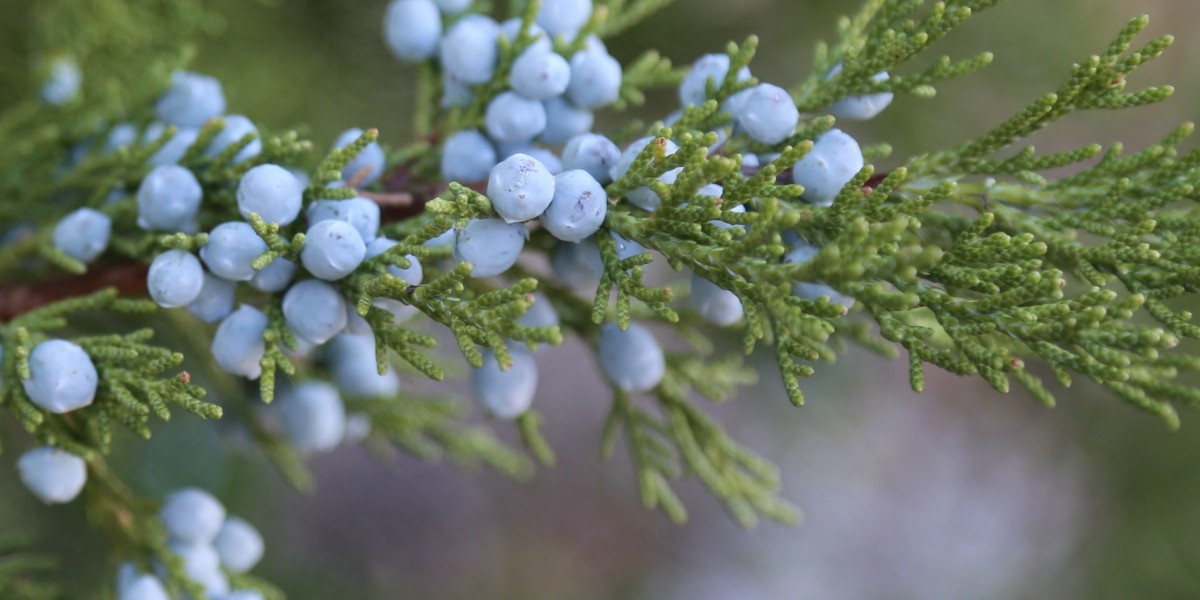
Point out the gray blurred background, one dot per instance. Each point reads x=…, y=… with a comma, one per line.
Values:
x=955, y=493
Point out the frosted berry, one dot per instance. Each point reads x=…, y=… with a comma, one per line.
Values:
x=63, y=82
x=168, y=199
x=371, y=159
x=239, y=545
x=564, y=121
x=467, y=156
x=274, y=277
x=143, y=587
x=83, y=234
x=355, y=370
x=272, y=192
x=578, y=209
x=577, y=265
x=468, y=51
x=595, y=79
x=332, y=249
x=313, y=416
x=717, y=305
x=362, y=213
x=174, y=279
x=520, y=188
x=231, y=250
x=710, y=67
x=452, y=7
x=202, y=565
x=412, y=275
x=861, y=107
x=314, y=310
x=539, y=74
x=593, y=153
x=511, y=29
x=238, y=343
x=55, y=476
x=506, y=394
x=236, y=128
x=191, y=100
x=834, y=160
x=632, y=359
x=512, y=118
x=215, y=301
x=175, y=146
x=490, y=245
x=412, y=29
x=192, y=516
x=564, y=17
x=769, y=115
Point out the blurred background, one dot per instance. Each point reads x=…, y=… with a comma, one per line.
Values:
x=956, y=493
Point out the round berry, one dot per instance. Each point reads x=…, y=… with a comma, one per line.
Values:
x=811, y=290
x=511, y=30
x=412, y=275
x=455, y=93
x=564, y=17
x=54, y=476
x=239, y=545
x=142, y=587
x=238, y=345
x=236, y=128
x=511, y=118
x=412, y=29
x=520, y=188
x=215, y=301
x=63, y=82
x=362, y=213
x=192, y=516
x=565, y=121
x=274, y=277
x=83, y=234
x=355, y=370
x=467, y=156
x=578, y=209
x=577, y=265
x=595, y=79
x=202, y=565
x=769, y=115
x=121, y=135
x=332, y=249
x=174, y=279
x=314, y=310
x=540, y=314
x=272, y=192
x=191, y=100
x=371, y=159
x=539, y=74
x=717, y=305
x=490, y=245
x=452, y=7
x=241, y=595
x=313, y=416
x=862, y=107
x=168, y=199
x=593, y=153
x=710, y=67
x=632, y=359
x=175, y=145
x=468, y=51
x=832, y=163
x=506, y=394
x=231, y=250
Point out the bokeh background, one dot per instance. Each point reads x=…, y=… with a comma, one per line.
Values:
x=955, y=493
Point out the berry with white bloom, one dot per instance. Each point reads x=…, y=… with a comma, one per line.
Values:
x=593, y=153
x=564, y=17
x=355, y=370
x=175, y=146
x=55, y=476
x=63, y=83
x=313, y=416
x=412, y=29
x=175, y=279
x=468, y=51
x=861, y=107
x=412, y=275
x=202, y=565
x=240, y=595
x=332, y=249
x=511, y=29
x=520, y=188
x=362, y=213
x=215, y=301
x=191, y=100
x=632, y=359
x=239, y=545
x=539, y=74
x=238, y=344
x=168, y=199
x=83, y=234
x=142, y=587
x=644, y=197
x=120, y=136
x=231, y=250
x=506, y=394
x=769, y=115
x=564, y=121
x=467, y=156
x=192, y=516
x=274, y=277
x=595, y=79
x=511, y=118
x=717, y=305
x=577, y=265
x=371, y=158
x=314, y=310
x=811, y=290
x=490, y=245
x=578, y=208
x=710, y=67
x=452, y=7
x=834, y=160
x=236, y=128
x=272, y=192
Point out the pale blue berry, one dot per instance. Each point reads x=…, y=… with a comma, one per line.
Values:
x=506, y=394
x=83, y=234
x=861, y=107
x=540, y=314
x=120, y=136
x=644, y=197
x=355, y=370
x=564, y=121
x=412, y=275
x=520, y=188
x=577, y=265
x=490, y=245
x=564, y=17
x=272, y=192
x=168, y=199
x=371, y=159
x=769, y=115
x=313, y=416
x=832, y=163
x=593, y=153
x=710, y=67
x=274, y=277
x=539, y=74
x=511, y=118
x=452, y=7
x=231, y=250
x=578, y=208
x=55, y=476
x=191, y=100
x=192, y=516
x=215, y=301
x=455, y=93
x=467, y=156
x=202, y=565
x=813, y=290
x=239, y=545
x=176, y=145
x=240, y=595
x=358, y=427
x=468, y=51
x=717, y=305
x=314, y=310
x=236, y=128
x=412, y=29
x=143, y=587
x=174, y=279
x=511, y=29
x=595, y=79
x=362, y=213
x=632, y=359
x=63, y=82
x=238, y=343
x=332, y=249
